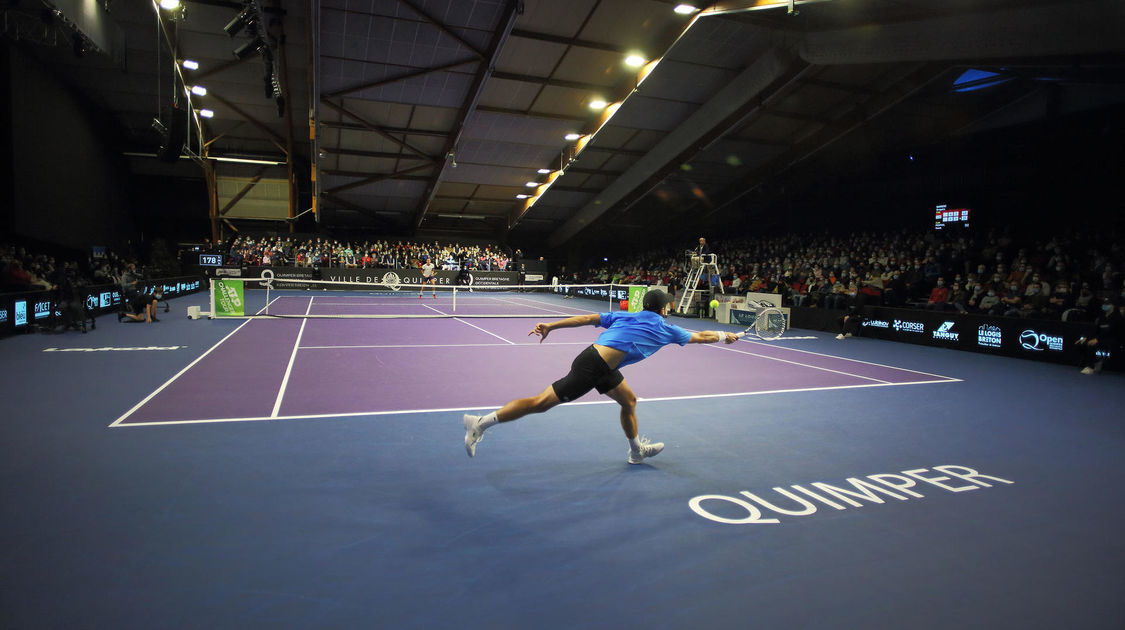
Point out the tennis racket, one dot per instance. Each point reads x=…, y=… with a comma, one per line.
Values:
x=768, y=325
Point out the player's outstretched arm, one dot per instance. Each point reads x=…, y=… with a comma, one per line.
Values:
x=543, y=328
x=711, y=336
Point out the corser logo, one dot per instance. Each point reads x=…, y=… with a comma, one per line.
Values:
x=92, y=302
x=989, y=336
x=910, y=327
x=1038, y=342
x=876, y=323
x=945, y=332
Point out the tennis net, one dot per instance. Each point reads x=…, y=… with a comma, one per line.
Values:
x=344, y=300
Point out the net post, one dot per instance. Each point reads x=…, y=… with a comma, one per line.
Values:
x=211, y=300
x=454, y=307
x=269, y=285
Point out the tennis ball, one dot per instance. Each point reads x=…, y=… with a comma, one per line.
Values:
x=714, y=304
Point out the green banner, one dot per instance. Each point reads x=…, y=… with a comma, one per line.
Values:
x=228, y=298
x=637, y=298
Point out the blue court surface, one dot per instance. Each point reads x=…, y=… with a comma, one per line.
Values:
x=293, y=473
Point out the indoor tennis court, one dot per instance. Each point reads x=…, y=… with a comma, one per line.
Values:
x=806, y=482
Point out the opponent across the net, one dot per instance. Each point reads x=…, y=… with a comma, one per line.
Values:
x=343, y=300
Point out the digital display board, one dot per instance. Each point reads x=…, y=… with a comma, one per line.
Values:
x=946, y=217
x=210, y=260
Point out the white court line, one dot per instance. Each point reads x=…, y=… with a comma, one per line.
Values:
x=498, y=405
x=529, y=344
x=137, y=406
x=815, y=367
x=289, y=368
x=832, y=356
x=485, y=331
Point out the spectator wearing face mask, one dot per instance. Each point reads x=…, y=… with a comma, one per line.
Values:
x=958, y=297
x=939, y=295
x=1059, y=301
x=990, y=302
x=1011, y=301
x=978, y=293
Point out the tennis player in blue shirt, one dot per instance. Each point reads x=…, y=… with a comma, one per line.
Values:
x=628, y=338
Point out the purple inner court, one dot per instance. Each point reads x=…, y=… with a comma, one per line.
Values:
x=389, y=365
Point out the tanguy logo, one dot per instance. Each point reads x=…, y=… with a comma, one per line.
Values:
x=1038, y=342
x=945, y=332
x=876, y=323
x=910, y=327
x=989, y=336
x=761, y=508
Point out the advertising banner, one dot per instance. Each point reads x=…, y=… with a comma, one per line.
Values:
x=23, y=311
x=637, y=298
x=229, y=300
x=412, y=278
x=1045, y=340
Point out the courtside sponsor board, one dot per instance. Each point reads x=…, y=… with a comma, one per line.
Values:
x=637, y=298
x=784, y=504
x=229, y=300
x=744, y=318
x=989, y=336
x=902, y=325
x=1038, y=341
x=945, y=332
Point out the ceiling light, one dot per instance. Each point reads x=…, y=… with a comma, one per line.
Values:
x=168, y=5
x=598, y=103
x=199, y=90
x=635, y=61
x=206, y=113
x=522, y=196
x=543, y=171
x=190, y=65
x=685, y=9
x=572, y=136
x=531, y=184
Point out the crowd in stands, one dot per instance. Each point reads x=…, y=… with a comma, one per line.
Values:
x=277, y=251
x=24, y=270
x=1067, y=276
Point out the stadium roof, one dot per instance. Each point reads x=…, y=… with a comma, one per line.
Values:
x=453, y=115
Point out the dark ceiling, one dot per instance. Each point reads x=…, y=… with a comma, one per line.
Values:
x=433, y=116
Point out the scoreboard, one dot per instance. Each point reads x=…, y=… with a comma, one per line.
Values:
x=944, y=217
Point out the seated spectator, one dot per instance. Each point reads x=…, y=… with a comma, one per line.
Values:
x=990, y=302
x=938, y=296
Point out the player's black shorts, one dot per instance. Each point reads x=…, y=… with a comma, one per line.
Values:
x=588, y=371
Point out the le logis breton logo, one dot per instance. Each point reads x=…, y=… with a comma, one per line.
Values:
x=761, y=508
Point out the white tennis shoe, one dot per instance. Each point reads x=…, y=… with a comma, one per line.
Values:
x=473, y=434
x=648, y=449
